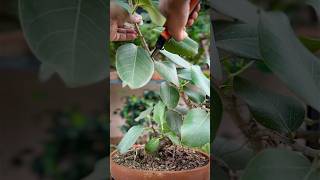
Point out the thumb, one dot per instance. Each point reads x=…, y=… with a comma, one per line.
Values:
x=177, y=18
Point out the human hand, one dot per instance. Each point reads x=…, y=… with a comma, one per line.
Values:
x=119, y=31
x=177, y=14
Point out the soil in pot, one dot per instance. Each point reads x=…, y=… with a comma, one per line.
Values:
x=170, y=158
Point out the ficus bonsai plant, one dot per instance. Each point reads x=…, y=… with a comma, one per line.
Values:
x=251, y=44
x=64, y=35
x=172, y=128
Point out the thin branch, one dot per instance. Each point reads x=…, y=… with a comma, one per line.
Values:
x=248, y=65
x=136, y=25
x=188, y=103
x=144, y=42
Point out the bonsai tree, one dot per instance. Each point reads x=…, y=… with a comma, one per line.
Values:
x=182, y=80
x=248, y=38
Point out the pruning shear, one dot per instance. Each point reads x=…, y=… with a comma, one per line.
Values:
x=165, y=35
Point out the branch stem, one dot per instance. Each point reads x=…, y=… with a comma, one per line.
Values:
x=136, y=25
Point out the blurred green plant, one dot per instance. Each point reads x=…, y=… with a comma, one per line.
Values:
x=134, y=106
x=75, y=143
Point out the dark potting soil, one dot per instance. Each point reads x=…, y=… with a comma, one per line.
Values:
x=172, y=158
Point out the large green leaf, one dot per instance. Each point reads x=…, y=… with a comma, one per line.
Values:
x=236, y=155
x=214, y=53
x=134, y=65
x=216, y=105
x=288, y=58
x=176, y=59
x=123, y=4
x=185, y=74
x=241, y=40
x=130, y=138
x=155, y=15
x=238, y=9
x=315, y=4
x=174, y=121
x=278, y=164
x=274, y=111
x=173, y=138
x=144, y=114
x=168, y=71
x=200, y=80
x=186, y=47
x=313, y=44
x=195, y=130
x=99, y=172
x=169, y=95
x=195, y=94
x=160, y=117
x=46, y=72
x=159, y=112
x=70, y=36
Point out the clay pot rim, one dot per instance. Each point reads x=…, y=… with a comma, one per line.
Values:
x=172, y=172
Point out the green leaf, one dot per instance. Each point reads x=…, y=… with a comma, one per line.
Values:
x=152, y=145
x=176, y=59
x=159, y=117
x=219, y=173
x=130, y=138
x=173, y=138
x=123, y=4
x=174, y=121
x=195, y=95
x=168, y=71
x=155, y=15
x=206, y=148
x=238, y=9
x=278, y=164
x=185, y=74
x=274, y=111
x=241, y=40
x=159, y=112
x=217, y=106
x=99, y=171
x=195, y=131
x=69, y=36
x=46, y=72
x=312, y=44
x=169, y=95
x=144, y=114
x=134, y=65
x=187, y=47
x=288, y=58
x=315, y=4
x=200, y=80
x=236, y=155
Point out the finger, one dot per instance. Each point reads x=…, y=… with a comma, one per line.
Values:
x=194, y=15
x=190, y=22
x=177, y=18
x=192, y=18
x=197, y=9
x=135, y=18
x=125, y=36
x=126, y=30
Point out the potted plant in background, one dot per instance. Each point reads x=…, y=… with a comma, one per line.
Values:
x=179, y=136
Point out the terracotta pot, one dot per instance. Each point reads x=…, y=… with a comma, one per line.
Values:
x=119, y=172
